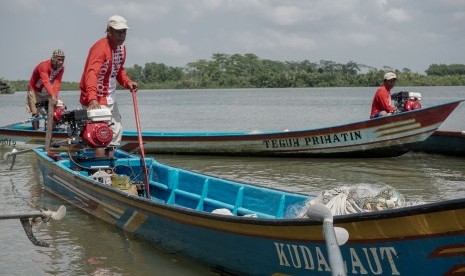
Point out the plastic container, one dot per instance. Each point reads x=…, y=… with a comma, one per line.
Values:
x=121, y=182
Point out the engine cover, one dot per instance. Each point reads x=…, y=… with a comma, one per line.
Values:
x=97, y=134
x=58, y=114
x=412, y=104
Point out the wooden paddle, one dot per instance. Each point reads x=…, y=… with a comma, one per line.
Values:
x=48, y=134
x=141, y=146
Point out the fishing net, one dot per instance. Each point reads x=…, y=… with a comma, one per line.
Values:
x=348, y=200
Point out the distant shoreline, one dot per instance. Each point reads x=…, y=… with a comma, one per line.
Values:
x=236, y=71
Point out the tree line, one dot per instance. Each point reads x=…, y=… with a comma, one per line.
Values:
x=250, y=71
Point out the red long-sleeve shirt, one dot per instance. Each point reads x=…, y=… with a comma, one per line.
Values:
x=44, y=76
x=103, y=65
x=381, y=101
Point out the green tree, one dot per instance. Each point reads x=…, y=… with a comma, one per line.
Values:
x=6, y=87
x=135, y=73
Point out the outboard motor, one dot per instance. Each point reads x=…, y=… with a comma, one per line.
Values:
x=59, y=109
x=97, y=132
x=42, y=108
x=406, y=101
x=89, y=128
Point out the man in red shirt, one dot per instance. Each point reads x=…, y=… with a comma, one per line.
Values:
x=381, y=105
x=45, y=83
x=104, y=67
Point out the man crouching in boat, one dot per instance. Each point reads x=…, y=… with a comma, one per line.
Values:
x=104, y=67
x=45, y=84
x=381, y=105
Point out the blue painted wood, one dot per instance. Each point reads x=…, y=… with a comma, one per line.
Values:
x=444, y=142
x=418, y=240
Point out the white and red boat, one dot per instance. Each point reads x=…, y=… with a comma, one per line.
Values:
x=386, y=136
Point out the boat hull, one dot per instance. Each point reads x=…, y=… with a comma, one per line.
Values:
x=418, y=240
x=381, y=137
x=444, y=142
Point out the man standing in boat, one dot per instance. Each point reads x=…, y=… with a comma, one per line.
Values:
x=45, y=84
x=381, y=105
x=103, y=69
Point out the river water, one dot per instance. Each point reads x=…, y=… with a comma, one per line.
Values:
x=83, y=245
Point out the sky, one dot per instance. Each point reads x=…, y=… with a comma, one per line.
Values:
x=382, y=34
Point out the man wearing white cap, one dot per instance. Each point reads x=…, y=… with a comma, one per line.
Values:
x=45, y=84
x=103, y=69
x=381, y=105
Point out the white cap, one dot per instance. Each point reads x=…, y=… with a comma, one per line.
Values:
x=389, y=76
x=117, y=22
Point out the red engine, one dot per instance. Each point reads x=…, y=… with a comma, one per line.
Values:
x=89, y=127
x=58, y=113
x=97, y=134
x=407, y=101
x=412, y=104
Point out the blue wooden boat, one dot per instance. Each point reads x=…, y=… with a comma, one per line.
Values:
x=444, y=142
x=262, y=235
x=382, y=137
